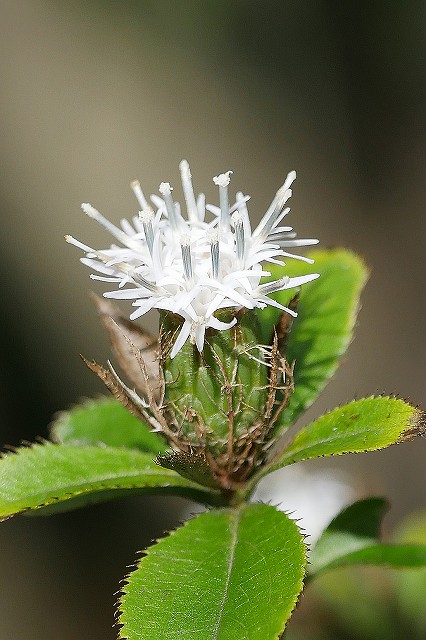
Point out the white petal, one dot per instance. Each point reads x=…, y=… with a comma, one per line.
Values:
x=201, y=207
x=298, y=242
x=217, y=324
x=127, y=227
x=273, y=303
x=189, y=312
x=98, y=266
x=199, y=336
x=163, y=261
x=296, y=257
x=215, y=304
x=299, y=280
x=105, y=278
x=182, y=338
x=143, y=306
x=127, y=294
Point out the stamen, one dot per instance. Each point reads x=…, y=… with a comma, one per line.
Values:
x=135, y=185
x=275, y=211
x=188, y=191
x=185, y=247
x=237, y=220
x=151, y=286
x=284, y=283
x=241, y=205
x=146, y=216
x=79, y=244
x=213, y=238
x=276, y=285
x=113, y=230
x=184, y=264
x=121, y=266
x=166, y=191
x=222, y=181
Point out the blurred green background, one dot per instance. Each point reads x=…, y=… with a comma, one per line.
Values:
x=94, y=94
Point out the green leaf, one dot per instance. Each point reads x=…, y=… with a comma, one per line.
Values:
x=231, y=574
x=352, y=538
x=410, y=586
x=105, y=421
x=354, y=603
x=41, y=475
x=361, y=425
x=321, y=333
x=408, y=556
x=366, y=603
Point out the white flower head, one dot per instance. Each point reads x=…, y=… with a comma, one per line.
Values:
x=193, y=266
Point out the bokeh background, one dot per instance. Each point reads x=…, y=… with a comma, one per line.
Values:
x=94, y=94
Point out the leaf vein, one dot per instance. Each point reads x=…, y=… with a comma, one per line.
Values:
x=233, y=545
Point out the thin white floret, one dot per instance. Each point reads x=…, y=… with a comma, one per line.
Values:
x=193, y=267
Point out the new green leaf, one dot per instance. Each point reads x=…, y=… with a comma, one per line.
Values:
x=105, y=421
x=327, y=310
x=42, y=475
x=231, y=574
x=352, y=538
x=410, y=586
x=361, y=425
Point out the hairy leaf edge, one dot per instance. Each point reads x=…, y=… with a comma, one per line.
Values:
x=145, y=552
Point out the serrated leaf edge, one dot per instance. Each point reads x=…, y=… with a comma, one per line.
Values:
x=125, y=581
x=193, y=489
x=416, y=427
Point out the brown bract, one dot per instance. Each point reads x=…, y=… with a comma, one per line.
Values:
x=124, y=336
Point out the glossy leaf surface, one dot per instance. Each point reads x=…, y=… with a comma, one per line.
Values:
x=105, y=421
x=361, y=425
x=231, y=574
x=353, y=538
x=42, y=475
x=327, y=310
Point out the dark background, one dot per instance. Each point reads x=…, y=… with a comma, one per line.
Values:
x=95, y=94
